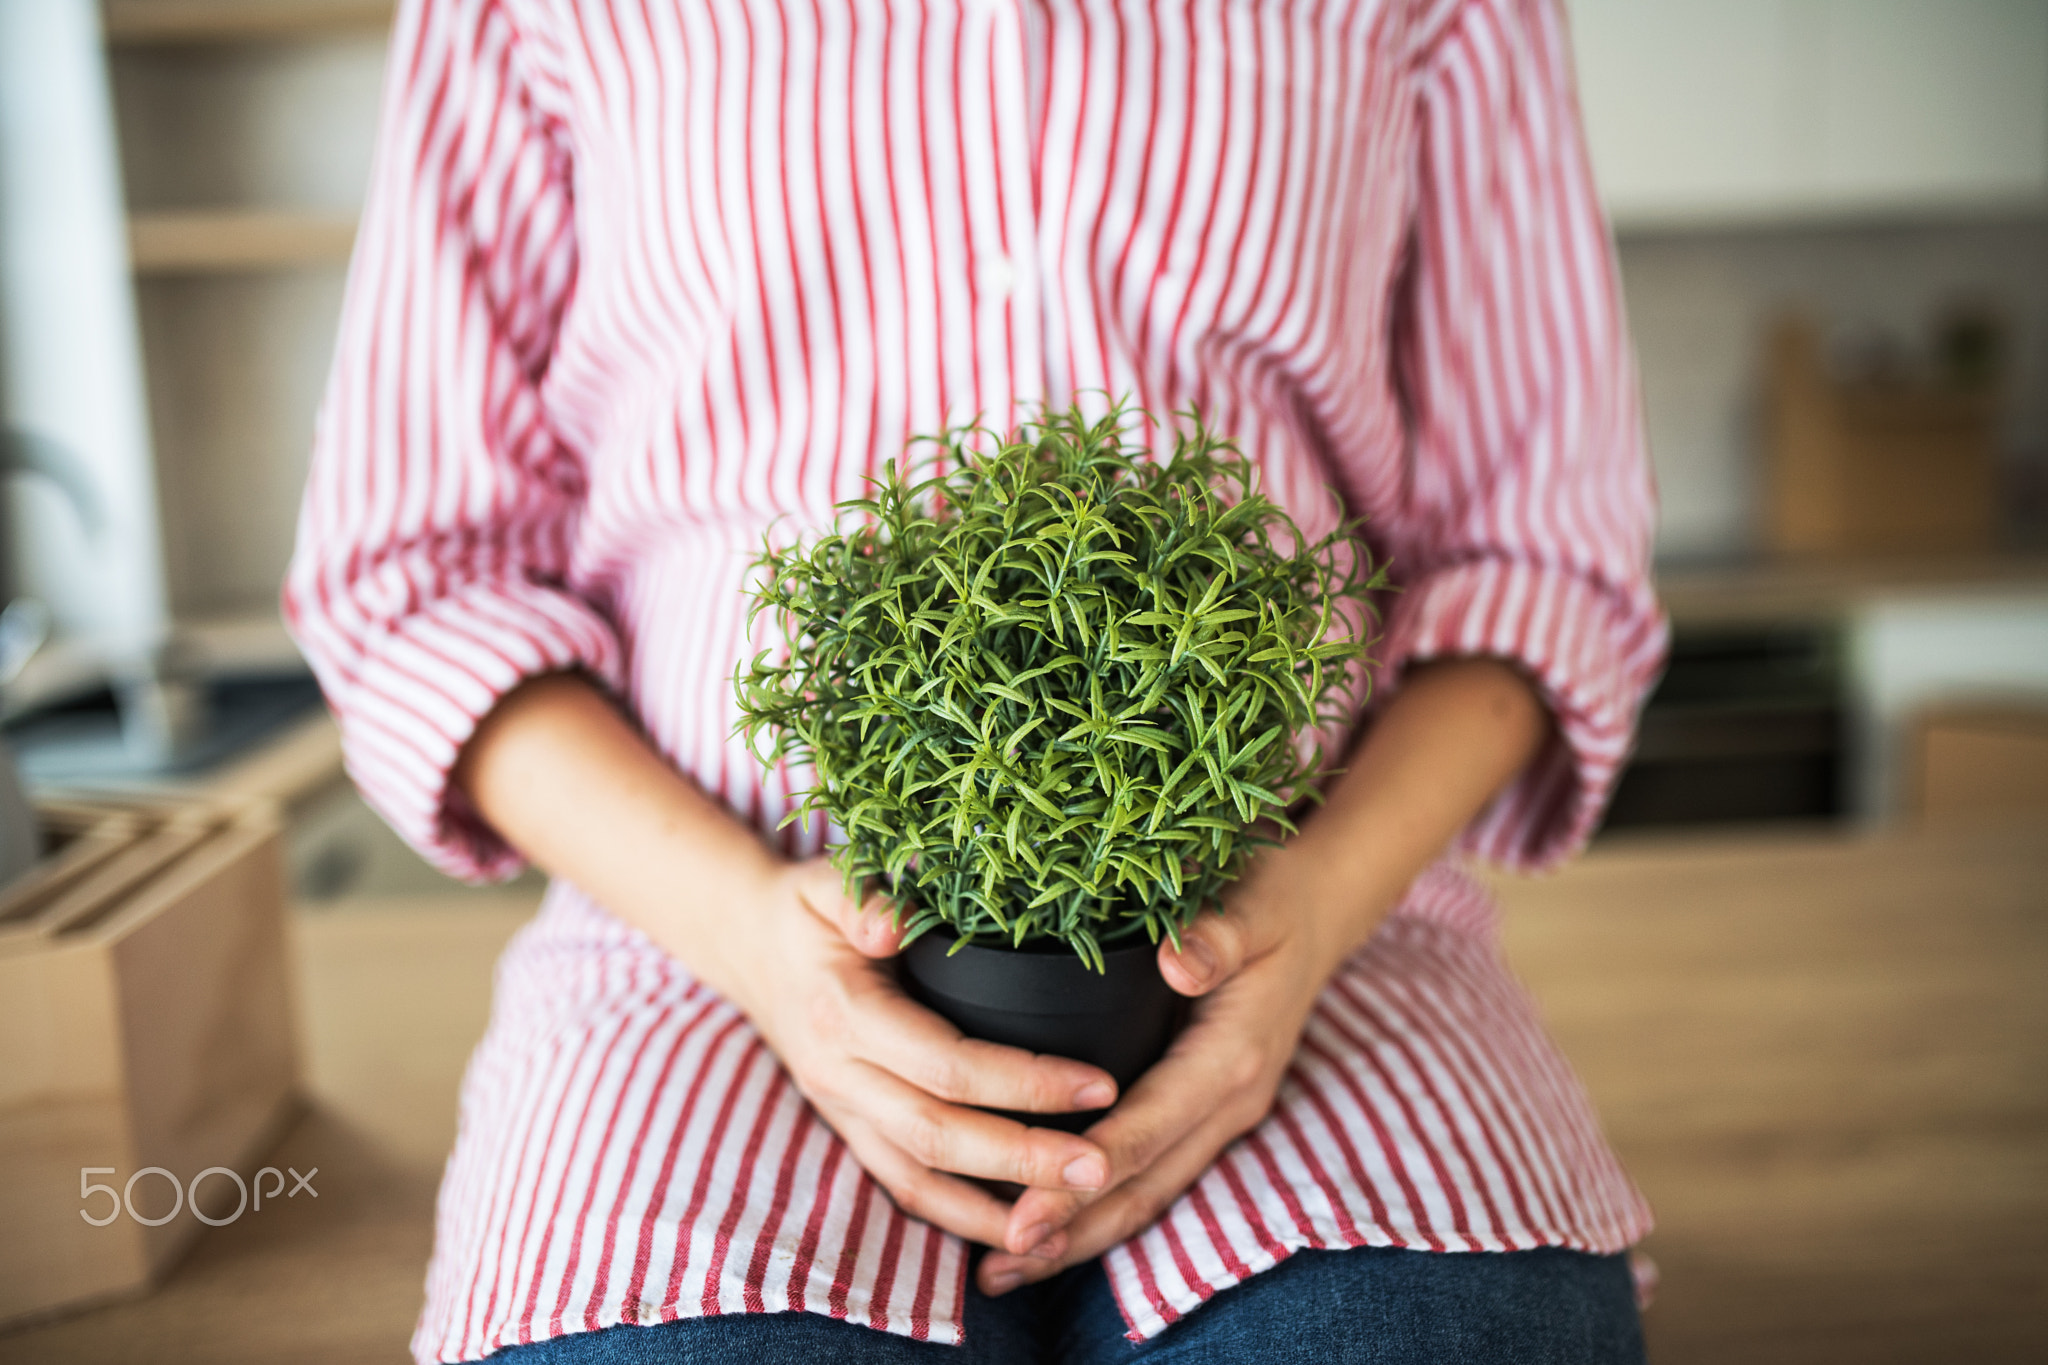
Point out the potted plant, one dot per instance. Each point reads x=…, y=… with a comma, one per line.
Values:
x=1055, y=697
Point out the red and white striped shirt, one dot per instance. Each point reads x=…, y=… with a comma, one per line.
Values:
x=639, y=278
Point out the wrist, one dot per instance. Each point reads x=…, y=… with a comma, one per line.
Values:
x=1337, y=901
x=718, y=914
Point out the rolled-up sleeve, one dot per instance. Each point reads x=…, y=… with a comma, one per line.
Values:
x=433, y=542
x=1527, y=511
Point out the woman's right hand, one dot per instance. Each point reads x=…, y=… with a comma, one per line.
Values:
x=556, y=769
x=899, y=1084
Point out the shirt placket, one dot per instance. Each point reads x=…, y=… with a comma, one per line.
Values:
x=1004, y=239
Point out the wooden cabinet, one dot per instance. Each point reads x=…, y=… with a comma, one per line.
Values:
x=1702, y=112
x=246, y=129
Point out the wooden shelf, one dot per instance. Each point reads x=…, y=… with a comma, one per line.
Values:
x=148, y=22
x=216, y=241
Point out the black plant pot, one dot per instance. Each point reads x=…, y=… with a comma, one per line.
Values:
x=1045, y=999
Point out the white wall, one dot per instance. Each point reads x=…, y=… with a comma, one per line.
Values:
x=1716, y=111
x=1701, y=302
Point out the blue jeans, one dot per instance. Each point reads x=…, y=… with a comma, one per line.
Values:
x=1370, y=1306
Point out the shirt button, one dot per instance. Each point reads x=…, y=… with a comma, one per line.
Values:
x=997, y=276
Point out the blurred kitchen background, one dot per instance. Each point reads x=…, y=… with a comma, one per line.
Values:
x=1833, y=227
x=1802, y=971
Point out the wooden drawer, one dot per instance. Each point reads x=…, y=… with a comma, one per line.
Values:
x=1980, y=761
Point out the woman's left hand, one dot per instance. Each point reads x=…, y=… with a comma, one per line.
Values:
x=1454, y=734
x=1256, y=970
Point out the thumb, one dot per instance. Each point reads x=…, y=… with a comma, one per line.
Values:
x=867, y=924
x=1214, y=947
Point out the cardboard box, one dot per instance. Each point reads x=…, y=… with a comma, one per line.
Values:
x=146, y=1021
x=1977, y=761
x=1870, y=468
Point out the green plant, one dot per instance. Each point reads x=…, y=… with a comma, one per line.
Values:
x=1051, y=692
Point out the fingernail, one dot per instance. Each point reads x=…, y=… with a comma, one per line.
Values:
x=1003, y=1281
x=1035, y=1235
x=1200, y=961
x=1095, y=1095
x=1085, y=1173
x=1051, y=1249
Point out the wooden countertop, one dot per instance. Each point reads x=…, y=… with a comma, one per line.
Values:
x=1825, y=1060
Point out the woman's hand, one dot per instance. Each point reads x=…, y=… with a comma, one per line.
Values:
x=896, y=1081
x=558, y=771
x=1257, y=970
x=1458, y=730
